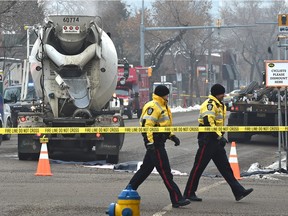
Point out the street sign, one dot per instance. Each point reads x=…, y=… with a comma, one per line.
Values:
x=179, y=77
x=276, y=73
x=201, y=70
x=283, y=23
x=163, y=78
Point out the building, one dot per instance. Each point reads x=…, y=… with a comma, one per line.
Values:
x=192, y=80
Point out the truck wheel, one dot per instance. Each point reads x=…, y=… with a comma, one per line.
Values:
x=112, y=159
x=9, y=125
x=139, y=112
x=122, y=135
x=28, y=156
x=23, y=156
x=1, y=137
x=122, y=110
x=129, y=114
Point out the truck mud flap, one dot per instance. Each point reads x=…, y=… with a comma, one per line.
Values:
x=28, y=147
x=110, y=147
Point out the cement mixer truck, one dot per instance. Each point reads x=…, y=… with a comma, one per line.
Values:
x=74, y=70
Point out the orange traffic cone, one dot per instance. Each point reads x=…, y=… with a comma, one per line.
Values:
x=43, y=168
x=233, y=160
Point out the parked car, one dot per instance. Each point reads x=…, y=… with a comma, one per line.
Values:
x=234, y=92
x=5, y=118
x=12, y=97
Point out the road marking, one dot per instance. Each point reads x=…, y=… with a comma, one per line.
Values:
x=202, y=190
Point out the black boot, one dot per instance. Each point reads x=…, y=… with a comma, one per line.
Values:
x=182, y=202
x=193, y=197
x=244, y=194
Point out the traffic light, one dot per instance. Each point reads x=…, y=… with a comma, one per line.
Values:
x=218, y=23
x=126, y=70
x=282, y=20
x=149, y=71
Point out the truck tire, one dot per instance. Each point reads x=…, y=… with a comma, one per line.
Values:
x=1, y=138
x=129, y=113
x=23, y=156
x=28, y=156
x=9, y=125
x=121, y=110
x=139, y=112
x=112, y=159
x=121, y=135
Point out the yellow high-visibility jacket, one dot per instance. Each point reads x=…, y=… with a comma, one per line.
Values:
x=155, y=113
x=212, y=113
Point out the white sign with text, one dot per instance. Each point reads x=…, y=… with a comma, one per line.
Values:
x=276, y=73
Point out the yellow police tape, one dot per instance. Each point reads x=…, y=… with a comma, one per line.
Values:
x=183, y=129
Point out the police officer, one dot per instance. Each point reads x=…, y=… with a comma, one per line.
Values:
x=157, y=113
x=211, y=146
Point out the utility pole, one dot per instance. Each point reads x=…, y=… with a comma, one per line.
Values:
x=26, y=70
x=283, y=29
x=142, y=44
x=209, y=72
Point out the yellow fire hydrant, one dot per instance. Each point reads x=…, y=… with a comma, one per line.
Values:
x=128, y=204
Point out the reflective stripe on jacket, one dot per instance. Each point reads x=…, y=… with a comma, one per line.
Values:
x=215, y=111
x=155, y=113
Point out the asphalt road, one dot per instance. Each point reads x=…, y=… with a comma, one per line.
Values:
x=78, y=190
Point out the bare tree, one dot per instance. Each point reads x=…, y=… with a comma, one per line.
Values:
x=193, y=43
x=251, y=44
x=129, y=31
x=15, y=14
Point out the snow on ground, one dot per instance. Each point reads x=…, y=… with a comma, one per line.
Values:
x=255, y=171
x=181, y=109
x=270, y=172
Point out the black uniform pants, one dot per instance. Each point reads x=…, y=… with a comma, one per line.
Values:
x=207, y=151
x=158, y=159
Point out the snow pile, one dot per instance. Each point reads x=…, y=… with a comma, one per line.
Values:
x=258, y=172
x=129, y=166
x=188, y=109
